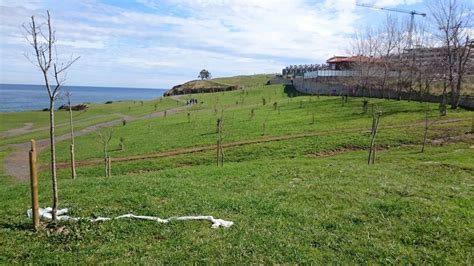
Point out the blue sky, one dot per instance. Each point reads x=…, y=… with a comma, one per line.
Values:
x=158, y=44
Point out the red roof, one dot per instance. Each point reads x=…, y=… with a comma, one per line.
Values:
x=348, y=59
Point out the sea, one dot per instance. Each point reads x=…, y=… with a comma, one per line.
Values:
x=18, y=97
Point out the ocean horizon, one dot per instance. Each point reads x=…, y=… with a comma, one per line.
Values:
x=25, y=97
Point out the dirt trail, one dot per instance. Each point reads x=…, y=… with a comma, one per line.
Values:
x=28, y=127
x=18, y=131
x=181, y=151
x=17, y=165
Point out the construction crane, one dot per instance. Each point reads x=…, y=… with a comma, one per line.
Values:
x=412, y=21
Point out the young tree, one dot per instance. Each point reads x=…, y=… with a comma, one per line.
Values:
x=105, y=135
x=220, y=148
x=43, y=42
x=73, y=161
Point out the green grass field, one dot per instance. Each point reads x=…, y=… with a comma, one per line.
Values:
x=308, y=198
x=96, y=113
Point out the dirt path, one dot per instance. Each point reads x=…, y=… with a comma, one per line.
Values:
x=181, y=151
x=16, y=163
x=18, y=131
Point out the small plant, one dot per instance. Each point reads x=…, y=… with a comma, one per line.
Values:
x=164, y=113
x=104, y=137
x=442, y=109
x=141, y=103
x=189, y=117
x=312, y=119
x=124, y=122
x=264, y=101
x=275, y=106
x=156, y=107
x=220, y=148
x=252, y=113
x=365, y=106
x=122, y=144
x=375, y=126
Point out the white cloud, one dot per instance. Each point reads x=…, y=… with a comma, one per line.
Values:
x=228, y=37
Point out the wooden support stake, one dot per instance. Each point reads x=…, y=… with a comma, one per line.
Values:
x=34, y=185
x=73, y=162
x=109, y=161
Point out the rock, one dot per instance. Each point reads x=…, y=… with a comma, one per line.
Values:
x=78, y=107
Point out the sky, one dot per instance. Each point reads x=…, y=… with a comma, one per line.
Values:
x=161, y=43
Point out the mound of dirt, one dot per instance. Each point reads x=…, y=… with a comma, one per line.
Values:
x=78, y=107
x=200, y=86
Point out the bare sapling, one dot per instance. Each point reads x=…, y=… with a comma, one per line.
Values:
x=426, y=133
x=220, y=148
x=71, y=126
x=34, y=185
x=365, y=106
x=312, y=118
x=105, y=135
x=42, y=39
x=122, y=144
x=426, y=129
x=371, y=159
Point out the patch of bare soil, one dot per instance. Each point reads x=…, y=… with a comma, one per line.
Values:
x=467, y=138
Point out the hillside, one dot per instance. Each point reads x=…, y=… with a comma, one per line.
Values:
x=219, y=84
x=295, y=182
x=200, y=86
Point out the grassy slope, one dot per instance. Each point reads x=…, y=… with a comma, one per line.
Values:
x=96, y=113
x=292, y=201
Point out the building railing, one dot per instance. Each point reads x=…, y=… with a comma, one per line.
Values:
x=330, y=73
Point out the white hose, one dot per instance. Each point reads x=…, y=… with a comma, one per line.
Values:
x=47, y=214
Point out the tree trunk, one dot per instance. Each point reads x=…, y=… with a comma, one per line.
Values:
x=73, y=161
x=105, y=161
x=454, y=97
x=426, y=133
x=53, y=159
